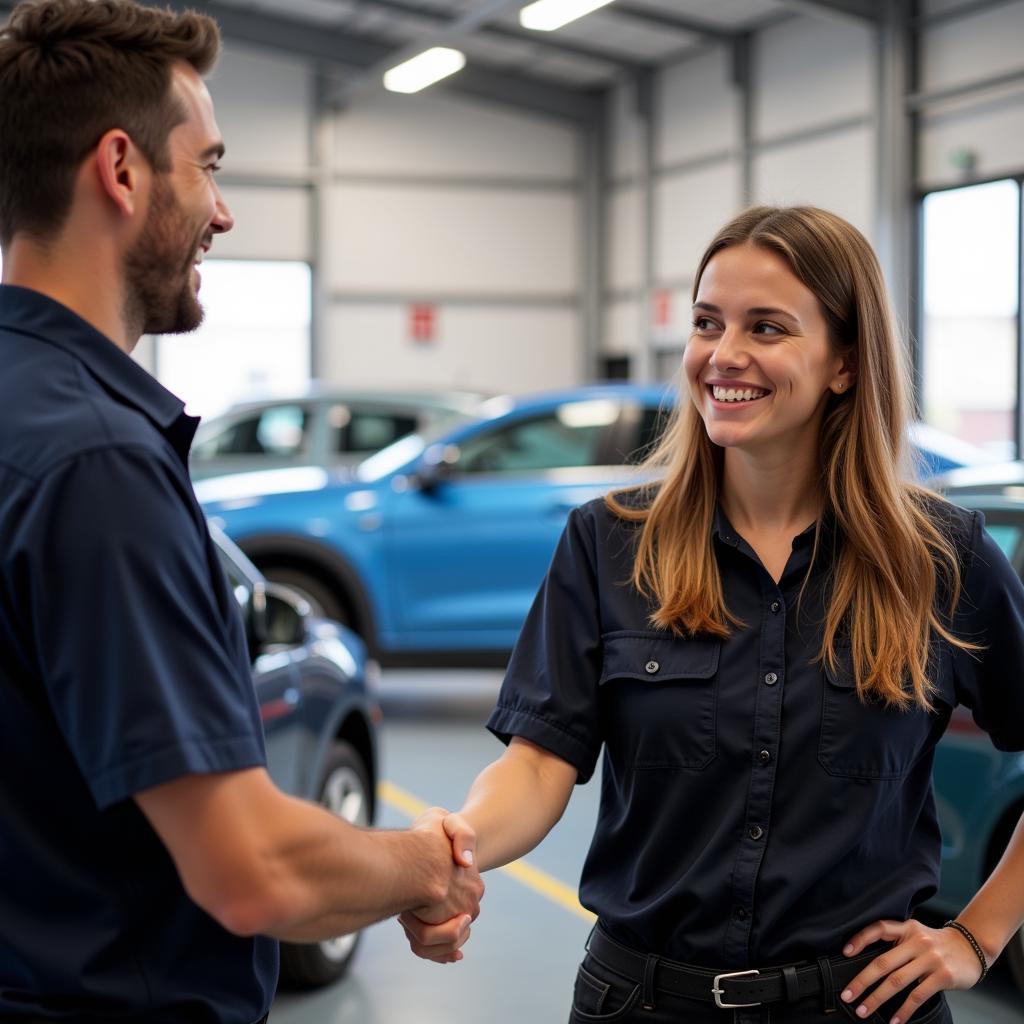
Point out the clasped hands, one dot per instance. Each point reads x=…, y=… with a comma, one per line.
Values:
x=436, y=932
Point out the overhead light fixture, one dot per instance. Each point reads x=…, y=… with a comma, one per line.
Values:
x=547, y=15
x=424, y=69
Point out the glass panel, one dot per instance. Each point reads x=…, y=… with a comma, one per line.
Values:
x=369, y=431
x=282, y=430
x=571, y=437
x=254, y=341
x=969, y=347
x=237, y=439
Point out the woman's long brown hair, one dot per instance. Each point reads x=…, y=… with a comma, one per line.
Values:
x=892, y=558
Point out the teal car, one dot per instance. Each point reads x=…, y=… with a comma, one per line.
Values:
x=980, y=790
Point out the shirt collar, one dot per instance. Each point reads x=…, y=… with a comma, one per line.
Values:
x=30, y=312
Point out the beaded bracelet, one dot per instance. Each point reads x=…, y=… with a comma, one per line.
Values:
x=974, y=945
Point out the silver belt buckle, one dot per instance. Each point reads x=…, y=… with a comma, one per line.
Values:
x=719, y=992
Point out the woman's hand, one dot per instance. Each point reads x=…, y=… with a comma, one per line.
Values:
x=927, y=960
x=433, y=932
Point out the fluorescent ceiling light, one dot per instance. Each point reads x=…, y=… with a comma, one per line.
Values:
x=424, y=69
x=547, y=15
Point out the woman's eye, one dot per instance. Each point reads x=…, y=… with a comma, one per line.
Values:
x=703, y=323
x=769, y=329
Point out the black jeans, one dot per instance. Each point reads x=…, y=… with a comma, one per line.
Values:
x=601, y=995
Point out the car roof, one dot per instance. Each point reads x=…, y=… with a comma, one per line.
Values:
x=318, y=392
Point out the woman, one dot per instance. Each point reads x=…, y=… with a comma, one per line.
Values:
x=767, y=643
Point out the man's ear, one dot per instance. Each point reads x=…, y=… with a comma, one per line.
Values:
x=122, y=170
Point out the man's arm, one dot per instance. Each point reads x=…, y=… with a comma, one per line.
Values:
x=261, y=862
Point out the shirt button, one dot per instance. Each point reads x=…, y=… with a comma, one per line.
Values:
x=756, y=832
x=765, y=755
x=651, y=667
x=741, y=913
x=775, y=606
x=771, y=679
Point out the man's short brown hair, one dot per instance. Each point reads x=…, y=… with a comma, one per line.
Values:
x=70, y=71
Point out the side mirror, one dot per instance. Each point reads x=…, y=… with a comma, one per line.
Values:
x=274, y=617
x=435, y=467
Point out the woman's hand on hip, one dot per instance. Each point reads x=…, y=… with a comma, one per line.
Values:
x=924, y=960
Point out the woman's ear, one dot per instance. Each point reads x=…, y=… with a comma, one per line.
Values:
x=846, y=376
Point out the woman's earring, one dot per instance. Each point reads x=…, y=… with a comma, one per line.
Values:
x=840, y=386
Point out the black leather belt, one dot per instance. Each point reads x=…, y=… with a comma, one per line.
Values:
x=730, y=989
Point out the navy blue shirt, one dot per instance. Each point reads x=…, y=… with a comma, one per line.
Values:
x=753, y=810
x=123, y=665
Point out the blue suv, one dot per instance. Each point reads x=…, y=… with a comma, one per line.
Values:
x=433, y=548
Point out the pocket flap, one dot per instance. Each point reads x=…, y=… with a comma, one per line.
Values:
x=655, y=656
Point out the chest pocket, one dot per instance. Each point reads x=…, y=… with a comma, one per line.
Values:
x=659, y=696
x=870, y=740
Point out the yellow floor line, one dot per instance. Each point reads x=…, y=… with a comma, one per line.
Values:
x=523, y=872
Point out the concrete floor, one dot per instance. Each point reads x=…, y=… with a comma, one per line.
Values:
x=433, y=744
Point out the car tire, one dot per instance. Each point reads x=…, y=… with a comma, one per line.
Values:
x=322, y=599
x=346, y=790
x=1015, y=958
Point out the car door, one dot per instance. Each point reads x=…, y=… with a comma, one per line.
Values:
x=272, y=437
x=467, y=555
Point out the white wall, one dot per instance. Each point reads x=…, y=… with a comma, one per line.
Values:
x=989, y=125
x=477, y=207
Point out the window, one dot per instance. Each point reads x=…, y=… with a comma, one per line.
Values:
x=572, y=436
x=970, y=337
x=279, y=430
x=254, y=340
x=367, y=430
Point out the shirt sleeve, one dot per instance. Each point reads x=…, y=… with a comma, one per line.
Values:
x=990, y=612
x=137, y=637
x=549, y=694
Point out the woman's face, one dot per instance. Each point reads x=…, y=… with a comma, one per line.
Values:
x=759, y=363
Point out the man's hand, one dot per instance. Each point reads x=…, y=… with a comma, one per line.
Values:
x=438, y=932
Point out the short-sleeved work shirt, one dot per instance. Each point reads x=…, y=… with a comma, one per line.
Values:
x=753, y=811
x=123, y=664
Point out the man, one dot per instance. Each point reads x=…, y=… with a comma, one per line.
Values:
x=145, y=855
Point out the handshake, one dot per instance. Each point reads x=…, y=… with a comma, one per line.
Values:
x=437, y=930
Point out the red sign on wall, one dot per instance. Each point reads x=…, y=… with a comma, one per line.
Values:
x=661, y=307
x=423, y=322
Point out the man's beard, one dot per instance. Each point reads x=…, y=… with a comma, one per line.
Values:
x=159, y=297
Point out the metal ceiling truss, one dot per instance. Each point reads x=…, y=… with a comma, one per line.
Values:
x=506, y=33
x=657, y=18
x=871, y=12
x=356, y=56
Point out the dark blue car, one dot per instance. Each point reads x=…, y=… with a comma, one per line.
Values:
x=319, y=721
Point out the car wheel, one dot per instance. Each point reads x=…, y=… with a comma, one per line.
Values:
x=325, y=603
x=345, y=791
x=1015, y=958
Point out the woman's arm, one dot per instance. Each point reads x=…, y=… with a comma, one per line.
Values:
x=942, y=958
x=510, y=808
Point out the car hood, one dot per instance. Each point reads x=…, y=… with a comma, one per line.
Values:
x=264, y=482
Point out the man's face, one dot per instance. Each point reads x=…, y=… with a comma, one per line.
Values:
x=185, y=211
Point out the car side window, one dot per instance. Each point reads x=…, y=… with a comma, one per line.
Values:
x=568, y=437
x=652, y=423
x=370, y=431
x=279, y=430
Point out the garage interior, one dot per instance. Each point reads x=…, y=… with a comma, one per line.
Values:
x=533, y=221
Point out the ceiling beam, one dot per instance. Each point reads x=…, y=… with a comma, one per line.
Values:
x=541, y=40
x=871, y=12
x=658, y=18
x=357, y=55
